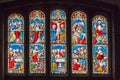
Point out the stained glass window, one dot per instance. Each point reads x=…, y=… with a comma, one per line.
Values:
x=15, y=43
x=58, y=41
x=100, y=44
x=37, y=56
x=79, y=42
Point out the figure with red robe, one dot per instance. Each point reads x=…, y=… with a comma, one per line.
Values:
x=76, y=65
x=35, y=54
x=81, y=39
x=36, y=37
x=17, y=35
x=99, y=28
x=12, y=63
x=100, y=54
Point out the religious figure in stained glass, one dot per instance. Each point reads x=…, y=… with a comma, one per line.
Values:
x=37, y=37
x=58, y=42
x=99, y=30
x=58, y=58
x=37, y=58
x=37, y=53
x=58, y=26
x=100, y=44
x=79, y=58
x=16, y=37
x=15, y=43
x=79, y=27
x=100, y=59
x=79, y=42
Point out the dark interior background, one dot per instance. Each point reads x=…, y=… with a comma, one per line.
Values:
x=116, y=31
x=116, y=2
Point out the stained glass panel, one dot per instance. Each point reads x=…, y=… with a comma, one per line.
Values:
x=79, y=58
x=58, y=42
x=37, y=37
x=15, y=43
x=37, y=58
x=58, y=58
x=99, y=25
x=79, y=42
x=37, y=53
x=16, y=37
x=16, y=22
x=100, y=45
x=58, y=26
x=100, y=59
x=79, y=27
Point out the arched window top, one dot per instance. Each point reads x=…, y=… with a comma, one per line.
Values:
x=99, y=17
x=15, y=15
x=37, y=13
x=58, y=14
x=15, y=19
x=79, y=14
x=37, y=19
